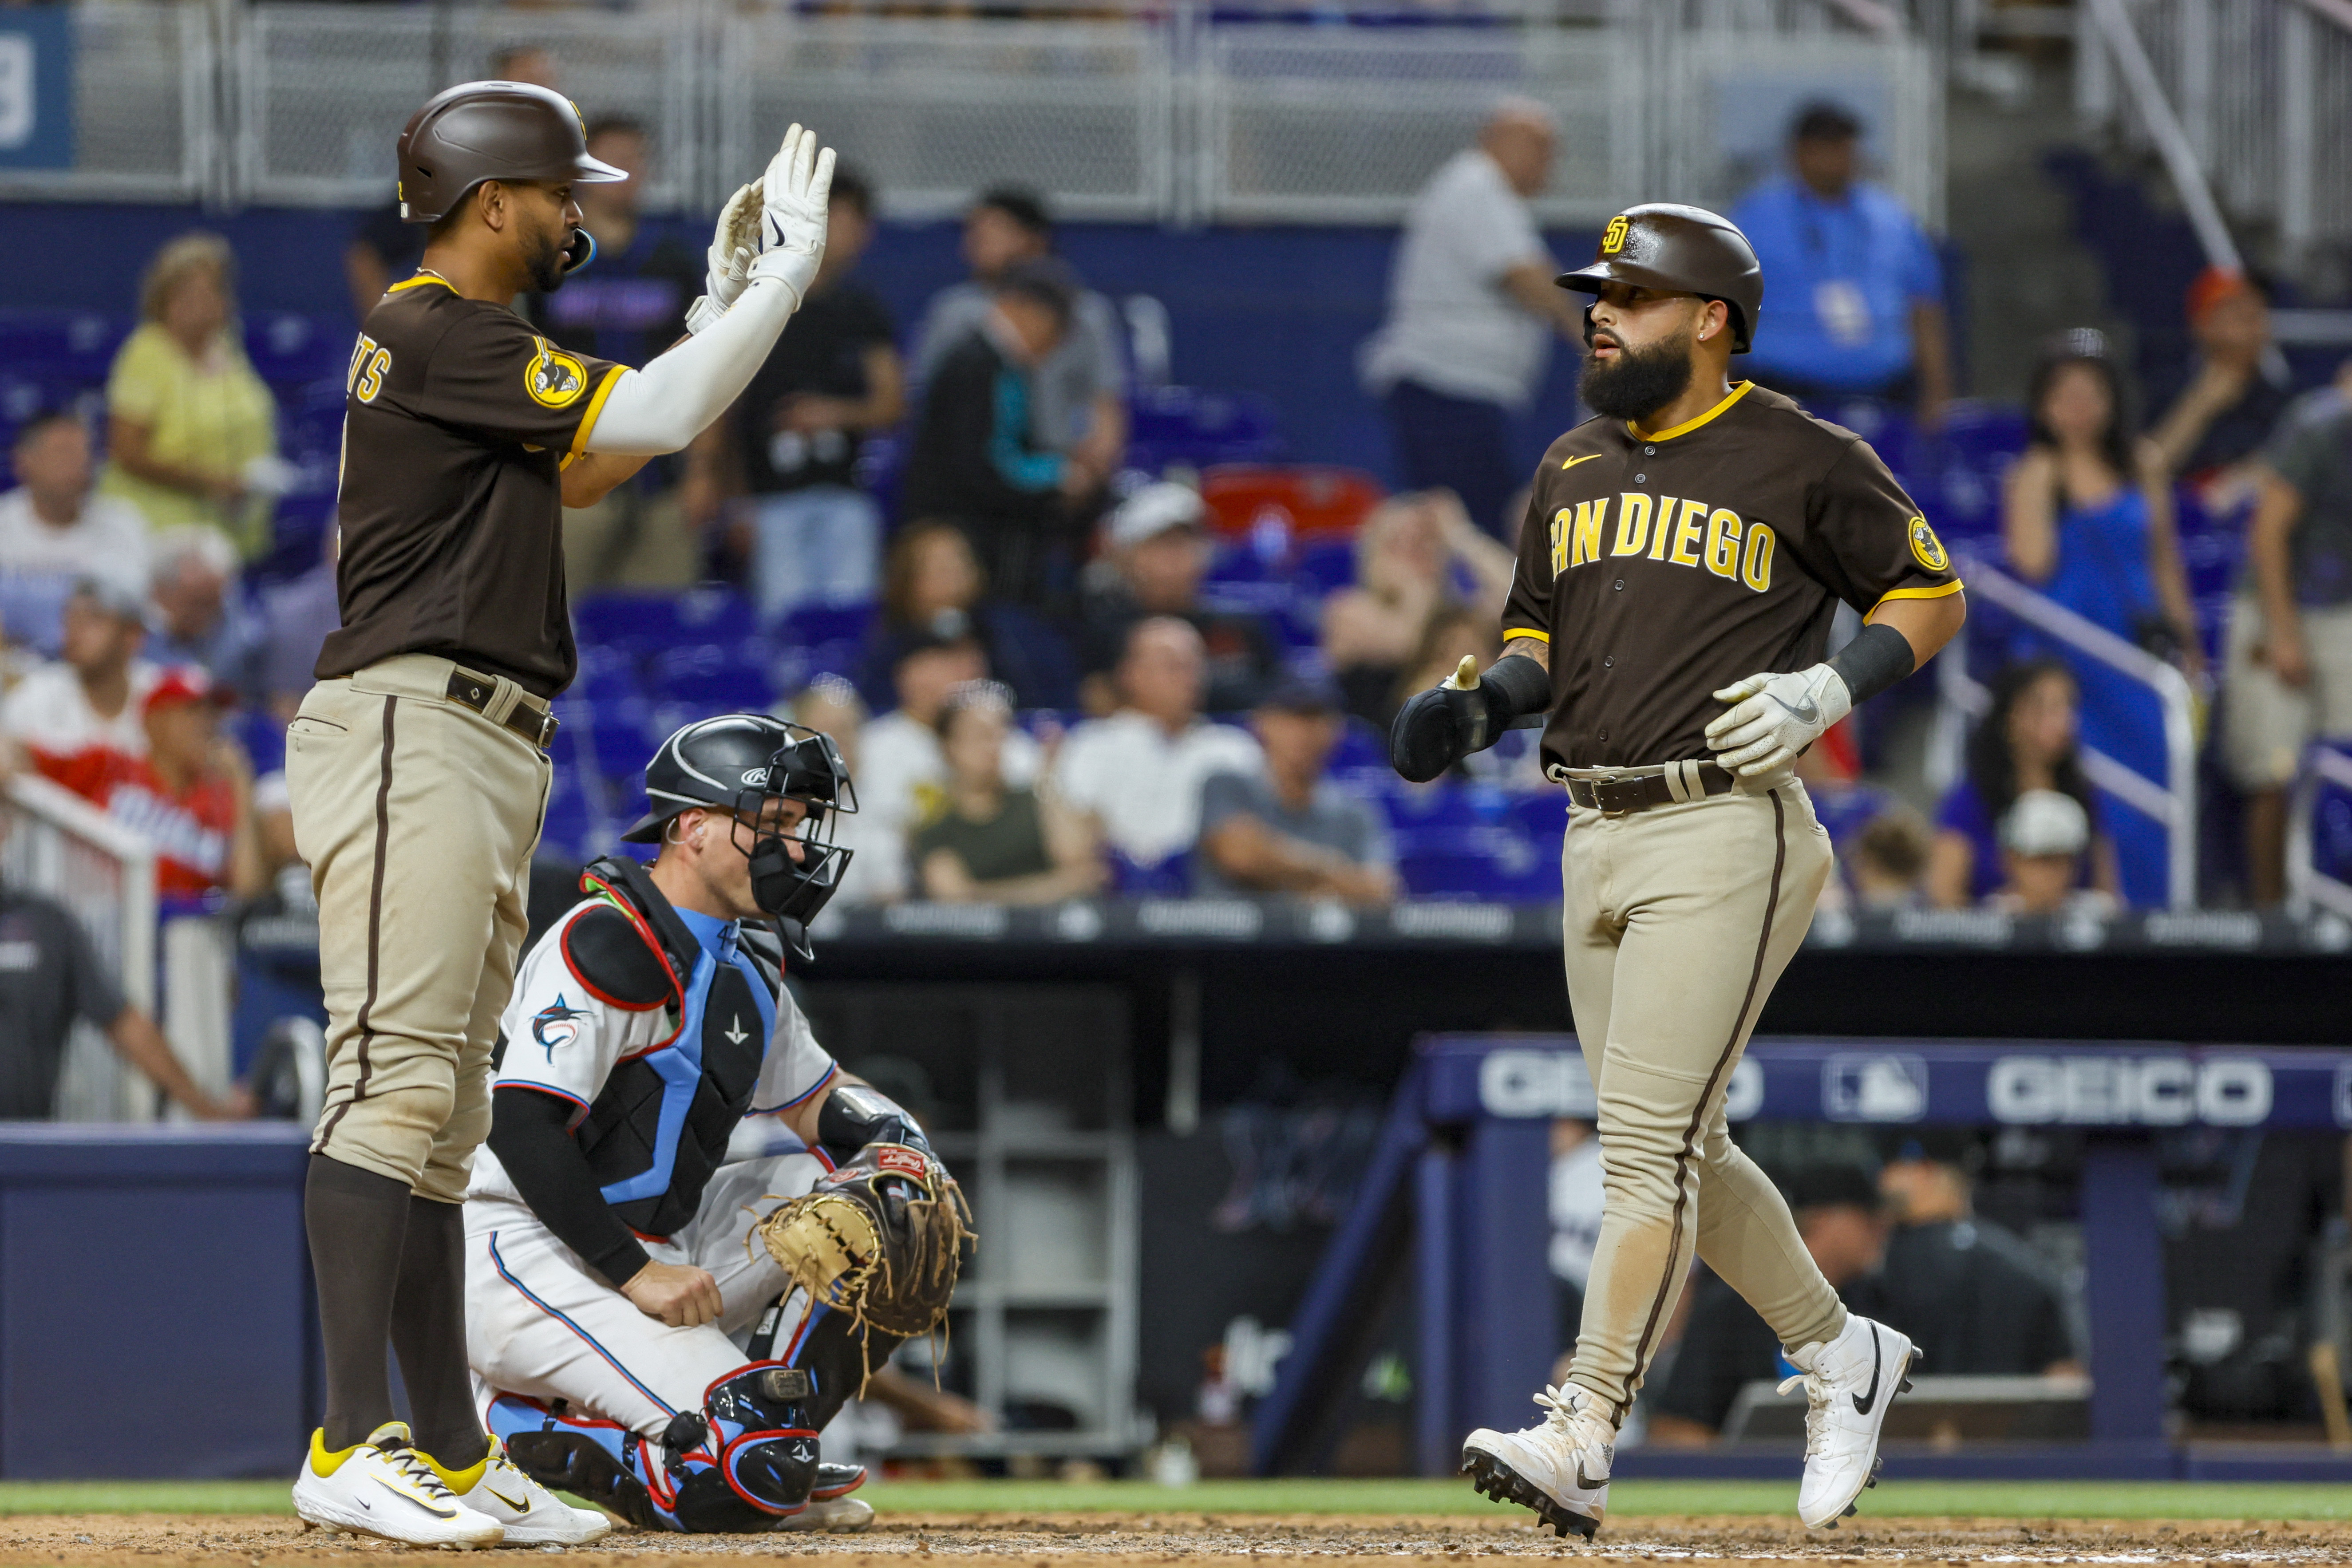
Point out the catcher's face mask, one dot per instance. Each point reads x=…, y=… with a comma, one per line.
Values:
x=783, y=824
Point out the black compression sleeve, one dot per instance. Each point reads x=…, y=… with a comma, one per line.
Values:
x=1519, y=685
x=1873, y=662
x=529, y=1136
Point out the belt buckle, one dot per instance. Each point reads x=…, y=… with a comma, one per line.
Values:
x=546, y=727
x=1616, y=798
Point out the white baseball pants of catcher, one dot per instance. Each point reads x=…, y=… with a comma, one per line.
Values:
x=540, y=1324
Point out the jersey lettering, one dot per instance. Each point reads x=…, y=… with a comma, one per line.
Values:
x=1686, y=533
x=370, y=363
x=1632, y=524
x=1723, y=542
x=1756, y=570
x=1689, y=532
x=1575, y=534
x=1666, y=505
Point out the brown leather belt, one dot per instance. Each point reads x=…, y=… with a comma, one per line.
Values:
x=1641, y=791
x=470, y=689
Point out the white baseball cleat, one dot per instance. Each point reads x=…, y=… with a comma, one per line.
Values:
x=386, y=1489
x=1559, y=1468
x=533, y=1515
x=833, y=1516
x=1848, y=1382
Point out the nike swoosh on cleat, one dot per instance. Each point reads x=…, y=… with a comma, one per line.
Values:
x=523, y=1507
x=1864, y=1402
x=1586, y=1482
x=418, y=1497
x=1588, y=456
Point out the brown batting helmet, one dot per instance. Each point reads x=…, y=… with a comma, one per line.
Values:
x=481, y=130
x=1678, y=250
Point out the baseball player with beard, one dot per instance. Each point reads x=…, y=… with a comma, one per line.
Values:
x=417, y=765
x=1682, y=556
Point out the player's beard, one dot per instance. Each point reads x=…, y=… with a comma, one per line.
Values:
x=1638, y=382
x=544, y=258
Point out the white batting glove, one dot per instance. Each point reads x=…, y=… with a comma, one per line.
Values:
x=1775, y=717
x=792, y=214
x=732, y=249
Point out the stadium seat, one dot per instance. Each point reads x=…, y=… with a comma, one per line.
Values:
x=812, y=624
x=1183, y=425
x=643, y=623
x=714, y=676
x=1303, y=502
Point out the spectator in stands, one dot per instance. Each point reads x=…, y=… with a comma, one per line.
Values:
x=933, y=590
x=51, y=978
x=2226, y=401
x=2026, y=740
x=1158, y=552
x=901, y=771
x=1976, y=1299
x=831, y=704
x=1140, y=772
x=192, y=433
x=1471, y=312
x=191, y=795
x=1726, y=1346
x=2045, y=843
x=833, y=380
x=53, y=527
x=1856, y=310
x=1407, y=554
x=974, y=460
x=92, y=698
x=1079, y=405
x=386, y=248
x=1888, y=863
x=627, y=307
x=196, y=614
x=2288, y=668
x=1286, y=828
x=989, y=841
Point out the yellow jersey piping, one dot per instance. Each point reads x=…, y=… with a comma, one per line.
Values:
x=596, y=406
x=1510, y=632
x=1941, y=591
x=419, y=282
x=1687, y=426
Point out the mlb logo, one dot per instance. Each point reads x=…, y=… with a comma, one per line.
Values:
x=905, y=1160
x=1859, y=1087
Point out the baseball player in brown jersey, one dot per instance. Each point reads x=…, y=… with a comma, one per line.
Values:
x=417, y=763
x=1681, y=558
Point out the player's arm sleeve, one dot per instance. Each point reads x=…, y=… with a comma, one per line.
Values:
x=530, y=1132
x=797, y=1070
x=1867, y=538
x=491, y=374
x=1526, y=613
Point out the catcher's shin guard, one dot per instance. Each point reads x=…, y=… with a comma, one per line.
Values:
x=764, y=1444
x=601, y=1461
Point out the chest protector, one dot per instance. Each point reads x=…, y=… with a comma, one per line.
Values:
x=662, y=1122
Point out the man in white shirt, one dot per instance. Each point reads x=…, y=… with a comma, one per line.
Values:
x=53, y=531
x=1471, y=311
x=1140, y=772
x=93, y=696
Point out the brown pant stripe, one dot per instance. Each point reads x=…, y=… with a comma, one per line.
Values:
x=376, y=927
x=1683, y=1156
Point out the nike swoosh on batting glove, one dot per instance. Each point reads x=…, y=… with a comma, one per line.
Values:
x=792, y=217
x=1776, y=716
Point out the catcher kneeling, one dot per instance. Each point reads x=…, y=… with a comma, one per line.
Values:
x=651, y=1327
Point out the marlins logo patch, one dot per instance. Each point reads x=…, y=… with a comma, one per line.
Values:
x=1612, y=238
x=553, y=378
x=554, y=1026
x=1926, y=548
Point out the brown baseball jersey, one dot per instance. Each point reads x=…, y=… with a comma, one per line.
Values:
x=458, y=422
x=1662, y=566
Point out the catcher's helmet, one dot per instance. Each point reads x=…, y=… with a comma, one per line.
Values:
x=481, y=130
x=737, y=764
x=1680, y=250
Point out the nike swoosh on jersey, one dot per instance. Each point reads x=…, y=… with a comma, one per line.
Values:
x=1863, y=1401
x=1588, y=456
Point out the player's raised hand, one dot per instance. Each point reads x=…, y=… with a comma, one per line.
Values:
x=1775, y=717
x=680, y=1296
x=793, y=194
x=734, y=247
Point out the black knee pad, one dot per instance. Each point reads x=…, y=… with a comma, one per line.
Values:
x=762, y=1440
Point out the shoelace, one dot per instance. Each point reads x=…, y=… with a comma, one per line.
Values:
x=415, y=1470
x=1561, y=1404
x=1817, y=1405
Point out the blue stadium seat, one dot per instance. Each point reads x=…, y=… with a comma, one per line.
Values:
x=643, y=623
x=607, y=674
x=812, y=624
x=1171, y=425
x=1484, y=861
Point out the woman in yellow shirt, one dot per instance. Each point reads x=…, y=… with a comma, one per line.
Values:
x=192, y=432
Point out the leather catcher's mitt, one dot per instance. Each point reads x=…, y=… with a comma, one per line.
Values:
x=883, y=1239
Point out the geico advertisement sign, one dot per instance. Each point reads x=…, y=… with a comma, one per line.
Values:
x=2142, y=1092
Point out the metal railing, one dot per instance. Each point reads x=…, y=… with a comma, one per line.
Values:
x=2307, y=887
x=1180, y=112
x=2171, y=804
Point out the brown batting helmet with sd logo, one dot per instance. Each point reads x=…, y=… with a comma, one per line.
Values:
x=481, y=130
x=1678, y=250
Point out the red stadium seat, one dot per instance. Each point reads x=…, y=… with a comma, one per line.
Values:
x=1313, y=502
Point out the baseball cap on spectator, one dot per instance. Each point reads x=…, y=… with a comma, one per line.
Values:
x=110, y=597
x=1823, y=121
x=186, y=683
x=1303, y=694
x=2045, y=822
x=1153, y=510
x=2213, y=285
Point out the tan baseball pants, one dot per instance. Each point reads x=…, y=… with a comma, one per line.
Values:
x=1677, y=921
x=417, y=817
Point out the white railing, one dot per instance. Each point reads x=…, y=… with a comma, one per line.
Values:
x=2171, y=803
x=1177, y=113
x=64, y=848
x=2308, y=886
